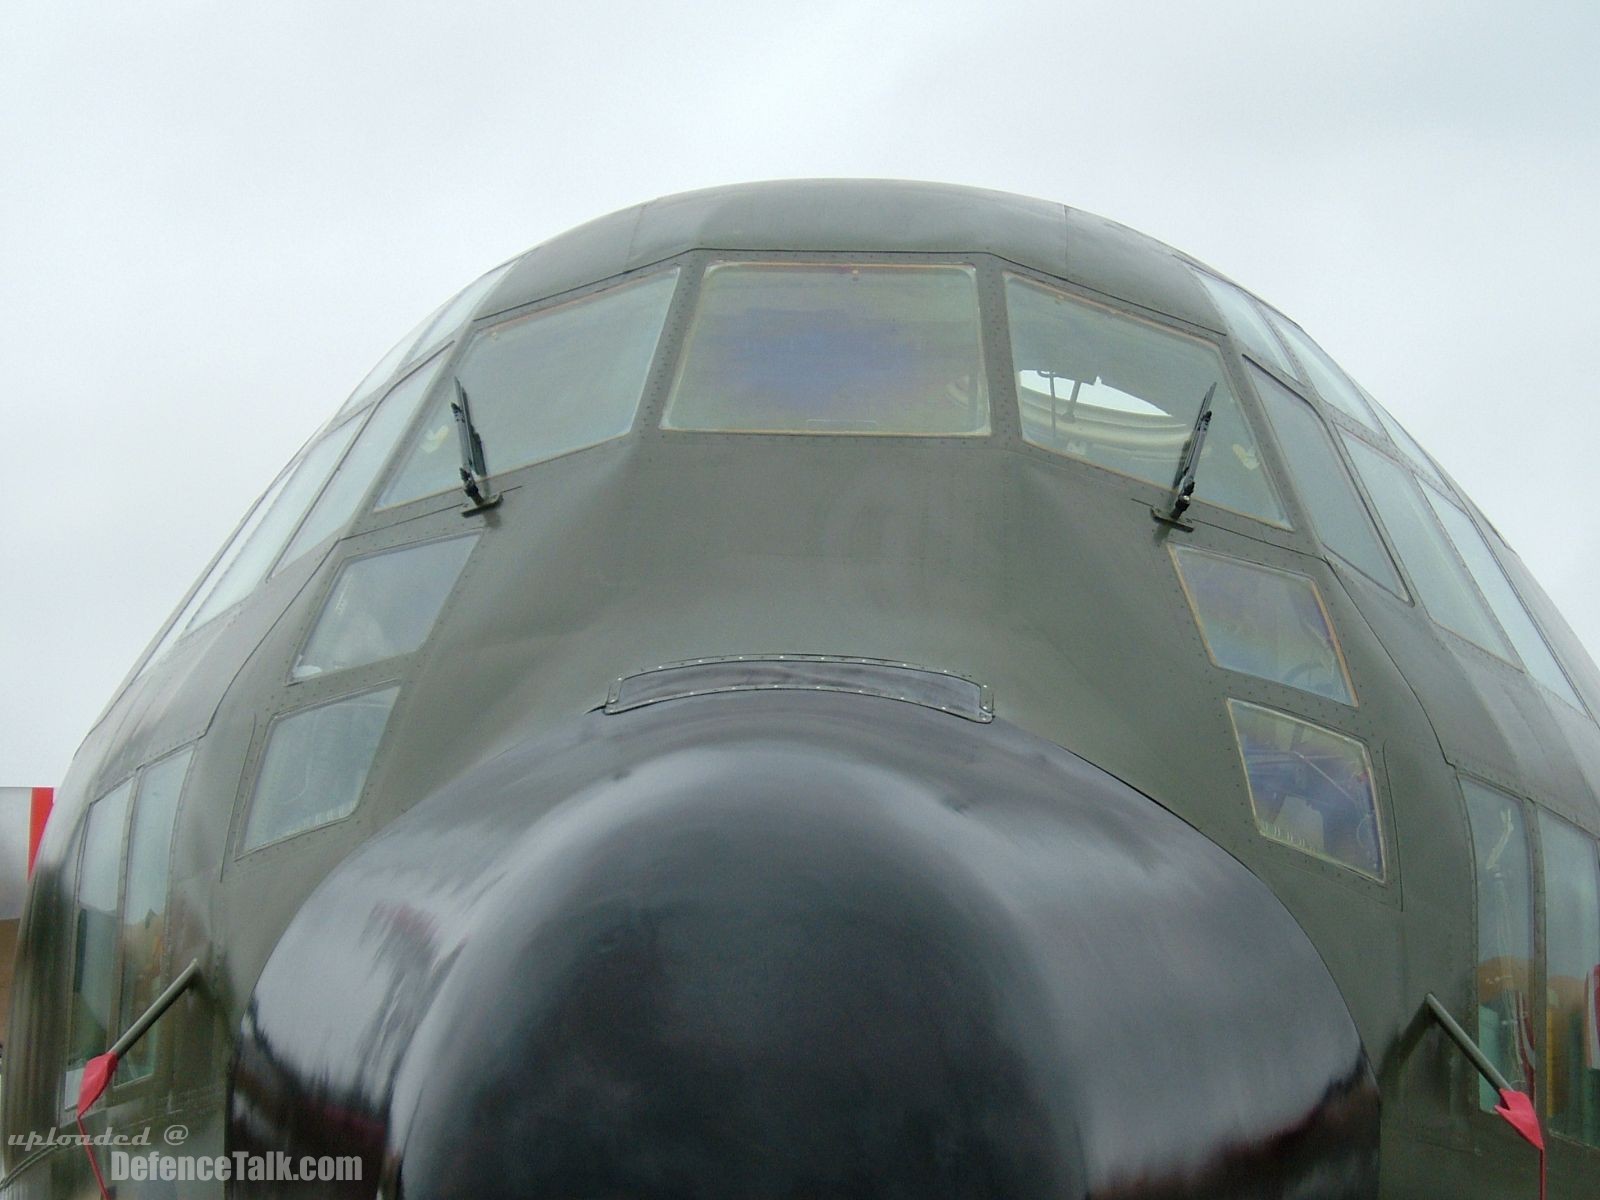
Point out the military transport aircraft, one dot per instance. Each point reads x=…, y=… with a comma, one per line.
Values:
x=837, y=690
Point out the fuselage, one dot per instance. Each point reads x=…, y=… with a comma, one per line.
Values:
x=994, y=827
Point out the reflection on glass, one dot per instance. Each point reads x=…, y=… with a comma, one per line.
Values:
x=1310, y=788
x=1446, y=589
x=1572, y=949
x=1244, y=320
x=1263, y=622
x=383, y=605
x=1124, y=394
x=1505, y=936
x=1326, y=376
x=818, y=348
x=1502, y=598
x=315, y=765
x=94, y=965
x=1336, y=510
x=360, y=467
x=542, y=385
x=144, y=905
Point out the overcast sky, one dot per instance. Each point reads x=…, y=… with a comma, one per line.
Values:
x=215, y=217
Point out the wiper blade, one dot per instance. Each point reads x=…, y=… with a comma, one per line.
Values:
x=1189, y=465
x=474, y=468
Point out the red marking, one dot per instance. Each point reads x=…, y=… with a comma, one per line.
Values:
x=1517, y=1109
x=43, y=799
x=97, y=1073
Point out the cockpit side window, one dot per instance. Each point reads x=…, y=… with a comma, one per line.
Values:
x=1447, y=590
x=1245, y=322
x=144, y=905
x=94, y=958
x=1502, y=597
x=833, y=348
x=1504, y=885
x=1342, y=521
x=1326, y=376
x=1572, y=949
x=1124, y=393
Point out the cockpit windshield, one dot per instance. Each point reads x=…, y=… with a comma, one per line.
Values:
x=1123, y=393
x=827, y=348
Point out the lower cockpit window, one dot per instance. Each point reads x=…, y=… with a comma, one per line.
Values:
x=315, y=766
x=1311, y=788
x=1126, y=394
x=383, y=605
x=833, y=348
x=1263, y=622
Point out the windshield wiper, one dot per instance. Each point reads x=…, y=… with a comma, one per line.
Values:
x=474, y=470
x=1188, y=466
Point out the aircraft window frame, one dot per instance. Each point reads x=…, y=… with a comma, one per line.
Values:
x=1429, y=522
x=1246, y=405
x=1548, y=823
x=154, y=1078
x=1341, y=476
x=1316, y=365
x=982, y=380
x=1264, y=344
x=72, y=1068
x=428, y=371
x=299, y=707
x=673, y=271
x=332, y=607
x=1270, y=829
x=1208, y=618
x=1525, y=1072
x=1502, y=598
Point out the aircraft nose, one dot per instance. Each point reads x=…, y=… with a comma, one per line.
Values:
x=795, y=945
x=741, y=994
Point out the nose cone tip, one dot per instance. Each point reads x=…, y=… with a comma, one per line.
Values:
x=746, y=996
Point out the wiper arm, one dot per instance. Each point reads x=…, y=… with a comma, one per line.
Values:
x=474, y=469
x=1189, y=465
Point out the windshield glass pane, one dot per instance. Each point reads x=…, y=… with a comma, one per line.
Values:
x=1336, y=509
x=367, y=457
x=1503, y=599
x=1505, y=936
x=830, y=348
x=1124, y=393
x=1244, y=320
x=259, y=550
x=543, y=385
x=1326, y=376
x=1446, y=589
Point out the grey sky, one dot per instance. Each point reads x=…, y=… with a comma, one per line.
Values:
x=215, y=217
